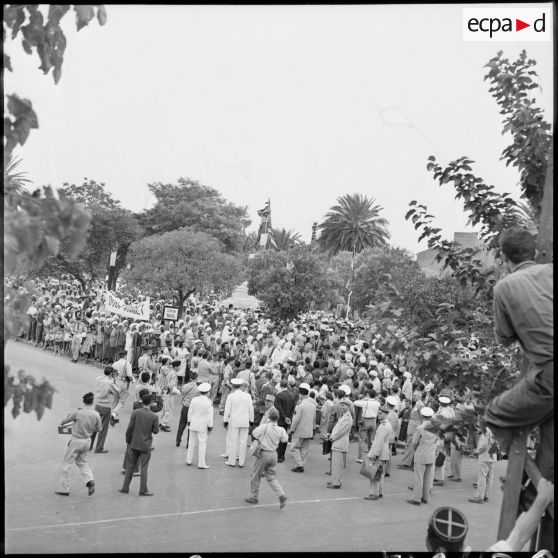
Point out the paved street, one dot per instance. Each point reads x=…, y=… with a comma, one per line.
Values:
x=240, y=298
x=195, y=510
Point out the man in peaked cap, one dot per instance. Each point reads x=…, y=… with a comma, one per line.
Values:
x=380, y=451
x=447, y=530
x=447, y=412
x=239, y=414
x=393, y=418
x=424, y=442
x=200, y=424
x=340, y=444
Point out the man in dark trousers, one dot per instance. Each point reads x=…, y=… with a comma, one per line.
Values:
x=285, y=404
x=139, y=436
x=523, y=313
x=189, y=391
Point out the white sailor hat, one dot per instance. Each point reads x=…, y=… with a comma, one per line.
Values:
x=305, y=386
x=427, y=412
x=390, y=400
x=345, y=388
x=204, y=387
x=444, y=400
x=237, y=381
x=407, y=374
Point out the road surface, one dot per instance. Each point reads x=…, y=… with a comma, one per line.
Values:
x=194, y=510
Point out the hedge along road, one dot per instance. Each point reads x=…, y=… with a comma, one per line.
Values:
x=200, y=510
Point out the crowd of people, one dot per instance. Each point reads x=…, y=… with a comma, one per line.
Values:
x=322, y=373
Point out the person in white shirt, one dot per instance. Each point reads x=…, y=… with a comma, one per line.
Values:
x=407, y=387
x=182, y=355
x=367, y=424
x=200, y=424
x=239, y=414
x=124, y=368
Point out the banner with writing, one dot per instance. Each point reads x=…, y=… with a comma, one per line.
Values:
x=138, y=311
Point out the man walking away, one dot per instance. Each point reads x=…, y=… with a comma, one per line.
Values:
x=139, y=436
x=285, y=404
x=269, y=435
x=105, y=390
x=302, y=428
x=86, y=421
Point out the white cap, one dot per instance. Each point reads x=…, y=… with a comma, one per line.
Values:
x=427, y=412
x=407, y=374
x=345, y=388
x=390, y=400
x=204, y=387
x=362, y=359
x=237, y=381
x=445, y=400
x=342, y=348
x=305, y=386
x=373, y=373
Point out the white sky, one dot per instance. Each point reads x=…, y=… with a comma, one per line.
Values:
x=277, y=101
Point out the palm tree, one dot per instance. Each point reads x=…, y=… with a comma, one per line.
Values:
x=525, y=216
x=283, y=239
x=15, y=183
x=353, y=225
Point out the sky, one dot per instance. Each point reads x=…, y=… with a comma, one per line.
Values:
x=299, y=104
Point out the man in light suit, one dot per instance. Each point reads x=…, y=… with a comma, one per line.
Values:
x=340, y=444
x=380, y=451
x=200, y=424
x=424, y=443
x=302, y=428
x=239, y=414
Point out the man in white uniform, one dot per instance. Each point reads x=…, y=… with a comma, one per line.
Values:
x=239, y=413
x=200, y=424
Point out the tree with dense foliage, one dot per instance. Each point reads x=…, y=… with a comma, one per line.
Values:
x=112, y=228
x=283, y=239
x=201, y=208
x=290, y=282
x=444, y=350
x=353, y=225
x=178, y=262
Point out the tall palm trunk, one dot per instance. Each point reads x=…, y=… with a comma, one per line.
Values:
x=352, y=281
